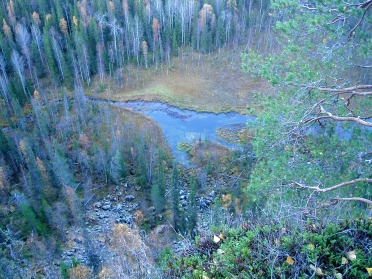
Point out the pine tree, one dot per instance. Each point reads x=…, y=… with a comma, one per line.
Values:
x=192, y=217
x=175, y=199
x=158, y=190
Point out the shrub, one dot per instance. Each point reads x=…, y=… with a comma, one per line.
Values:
x=265, y=250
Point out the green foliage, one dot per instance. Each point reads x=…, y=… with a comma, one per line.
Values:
x=289, y=145
x=262, y=251
x=158, y=189
x=33, y=224
x=192, y=217
x=175, y=199
x=64, y=270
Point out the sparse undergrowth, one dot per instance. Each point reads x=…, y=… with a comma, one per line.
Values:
x=340, y=250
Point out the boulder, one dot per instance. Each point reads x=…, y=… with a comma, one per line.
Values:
x=97, y=205
x=129, y=198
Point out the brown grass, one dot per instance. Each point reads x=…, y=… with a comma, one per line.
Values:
x=213, y=83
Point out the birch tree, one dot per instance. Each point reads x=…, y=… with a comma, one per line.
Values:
x=23, y=39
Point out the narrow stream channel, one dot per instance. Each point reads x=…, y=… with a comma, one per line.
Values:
x=182, y=125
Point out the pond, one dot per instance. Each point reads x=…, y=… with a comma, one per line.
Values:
x=182, y=125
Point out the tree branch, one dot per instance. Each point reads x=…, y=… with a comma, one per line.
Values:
x=366, y=5
x=344, y=90
x=332, y=188
x=339, y=118
x=354, y=199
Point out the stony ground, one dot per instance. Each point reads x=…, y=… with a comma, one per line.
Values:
x=125, y=207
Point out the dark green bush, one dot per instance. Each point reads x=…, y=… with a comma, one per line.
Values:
x=267, y=250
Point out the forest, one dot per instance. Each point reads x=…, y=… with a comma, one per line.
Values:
x=98, y=179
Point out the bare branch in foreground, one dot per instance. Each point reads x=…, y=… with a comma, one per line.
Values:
x=343, y=90
x=366, y=5
x=323, y=190
x=329, y=115
x=354, y=199
x=344, y=184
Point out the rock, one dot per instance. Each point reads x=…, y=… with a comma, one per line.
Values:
x=70, y=253
x=204, y=202
x=129, y=198
x=120, y=194
x=78, y=240
x=106, y=207
x=212, y=194
x=97, y=205
x=160, y=229
x=119, y=207
x=133, y=206
x=183, y=197
x=152, y=209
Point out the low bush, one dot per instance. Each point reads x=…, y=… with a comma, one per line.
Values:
x=342, y=250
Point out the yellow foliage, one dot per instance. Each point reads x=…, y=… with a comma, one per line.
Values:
x=311, y=247
x=37, y=95
x=138, y=216
x=6, y=29
x=63, y=26
x=111, y=6
x=80, y=272
x=206, y=14
x=11, y=13
x=145, y=48
x=75, y=21
x=317, y=270
x=226, y=199
x=36, y=18
x=155, y=29
x=22, y=146
x=369, y=270
x=289, y=260
x=84, y=141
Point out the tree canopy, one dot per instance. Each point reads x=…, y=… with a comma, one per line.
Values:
x=313, y=137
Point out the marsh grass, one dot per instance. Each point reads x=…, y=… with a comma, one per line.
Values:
x=210, y=83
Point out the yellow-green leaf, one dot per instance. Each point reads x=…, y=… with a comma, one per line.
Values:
x=351, y=256
x=289, y=260
x=311, y=247
x=317, y=270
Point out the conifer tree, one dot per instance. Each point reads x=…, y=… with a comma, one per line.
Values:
x=175, y=199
